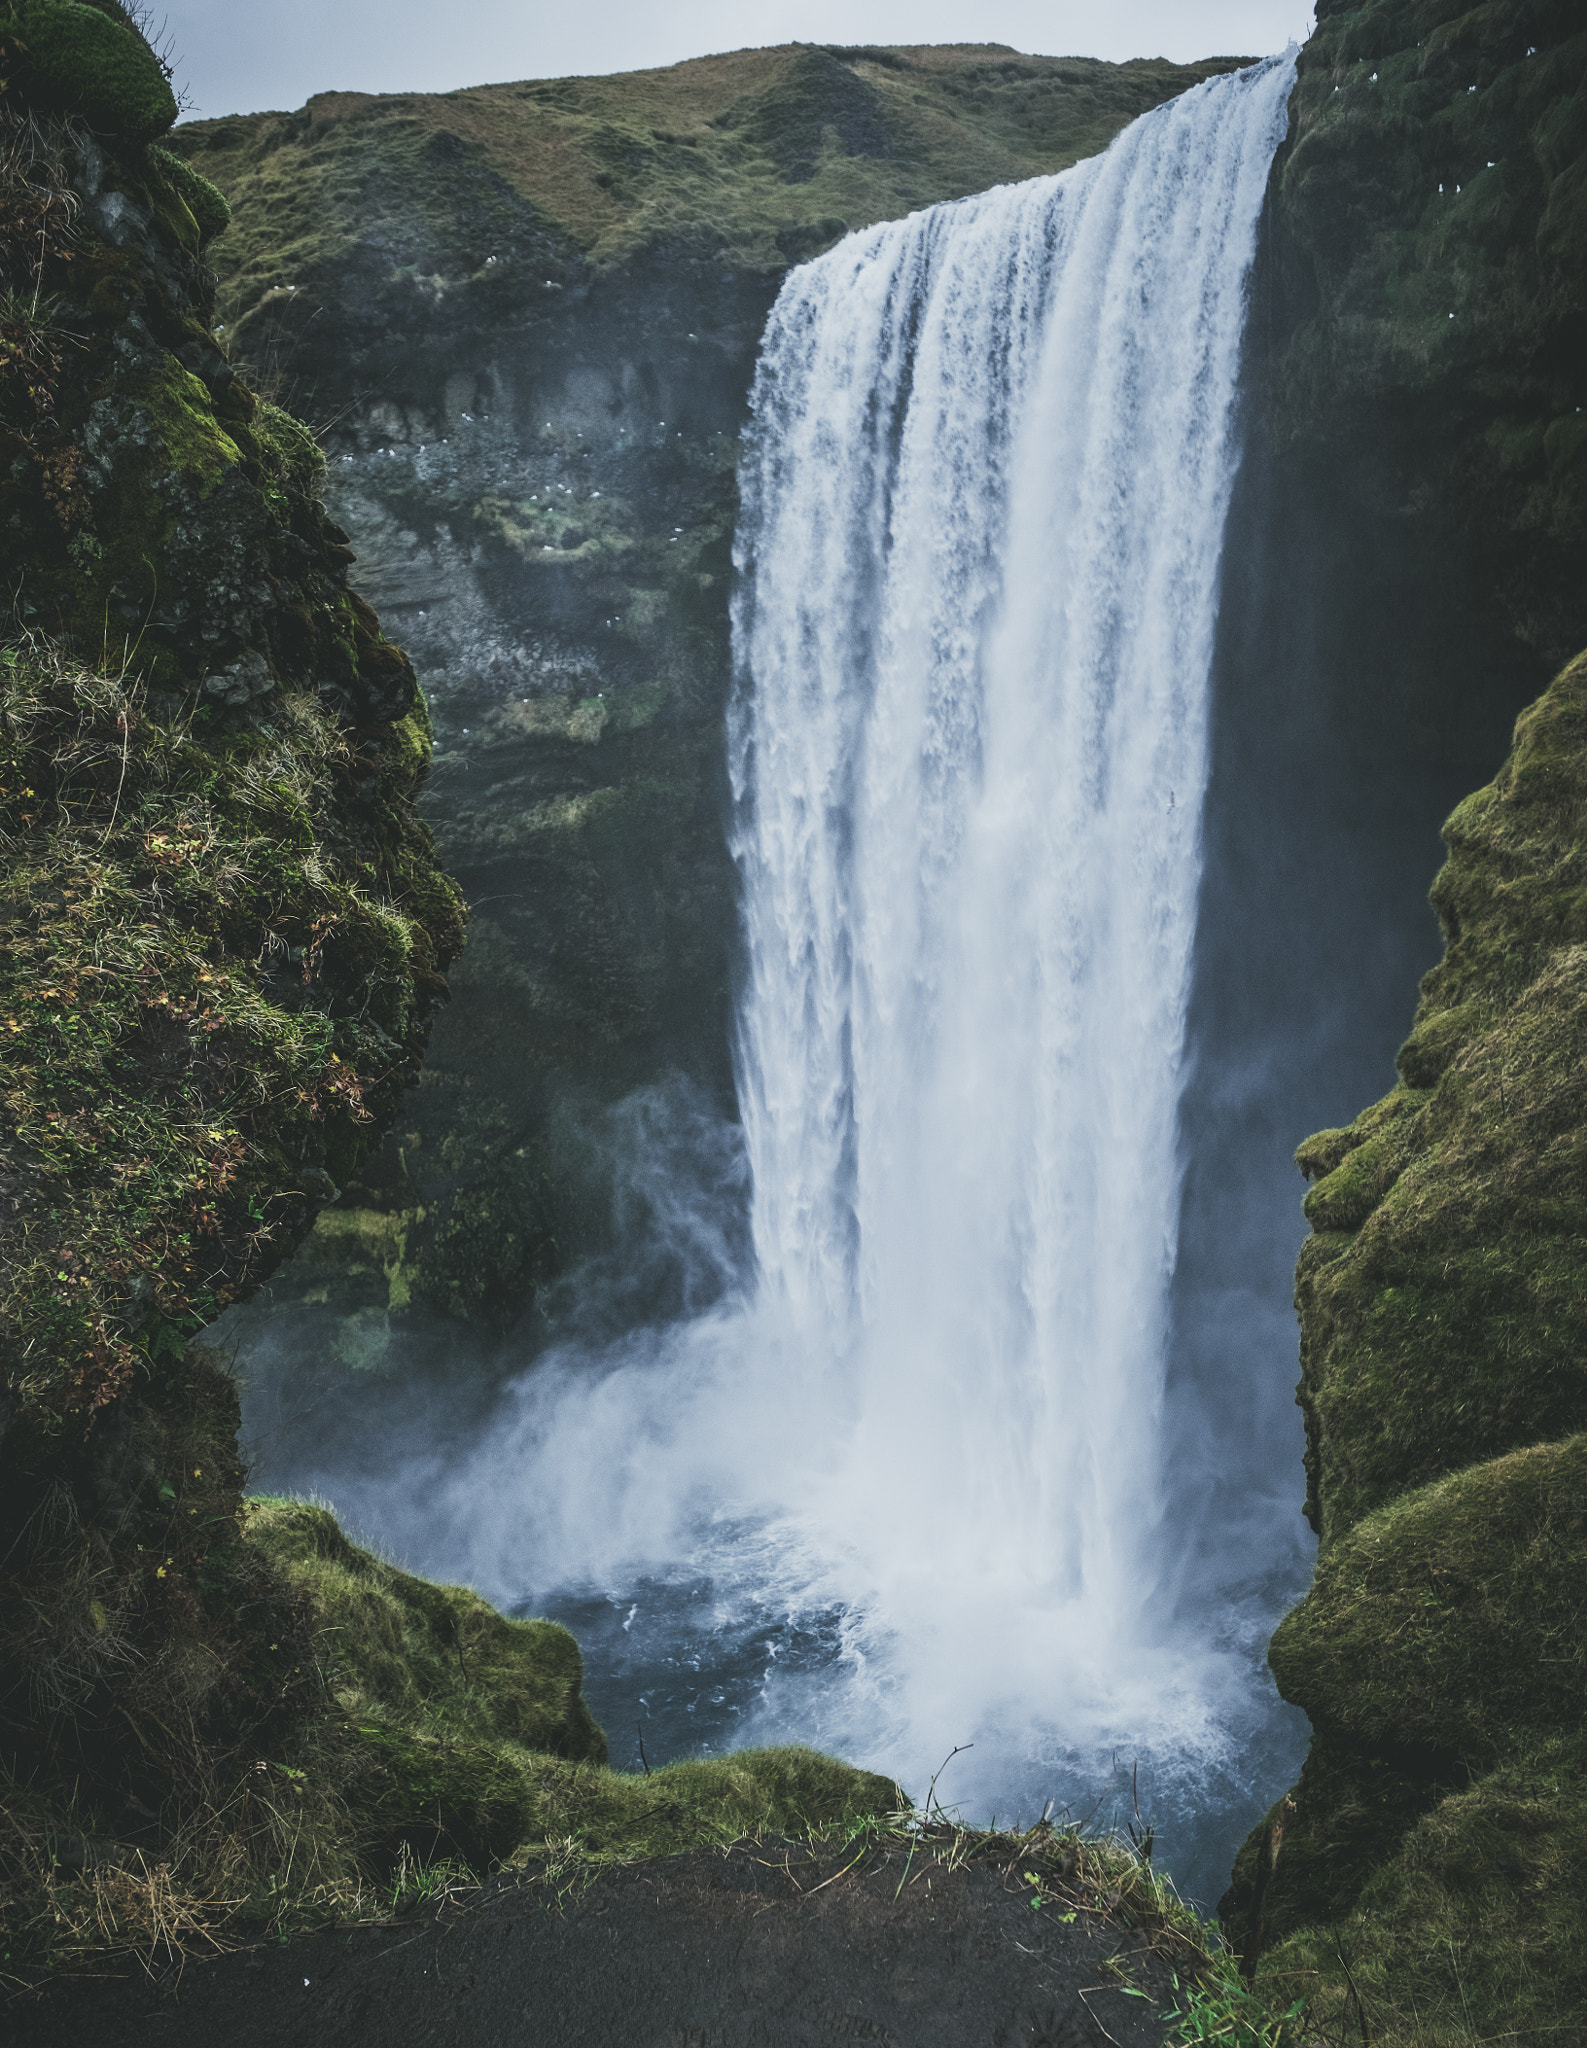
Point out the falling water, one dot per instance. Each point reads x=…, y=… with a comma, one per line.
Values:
x=908, y=1474
x=984, y=504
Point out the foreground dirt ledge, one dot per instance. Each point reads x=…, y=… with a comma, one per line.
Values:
x=896, y=1939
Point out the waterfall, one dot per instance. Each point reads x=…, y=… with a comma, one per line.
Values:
x=984, y=498
x=913, y=1468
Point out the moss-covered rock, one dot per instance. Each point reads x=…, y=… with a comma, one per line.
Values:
x=1451, y=1619
x=87, y=58
x=1470, y=1926
x=1443, y=1299
x=205, y=202
x=439, y=1656
x=222, y=934
x=465, y=1736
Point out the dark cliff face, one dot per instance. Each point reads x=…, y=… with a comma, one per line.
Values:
x=1429, y=301
x=529, y=316
x=1426, y=358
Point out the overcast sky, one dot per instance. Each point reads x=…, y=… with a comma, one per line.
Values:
x=236, y=56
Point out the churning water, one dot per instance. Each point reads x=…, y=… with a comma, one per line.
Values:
x=901, y=1487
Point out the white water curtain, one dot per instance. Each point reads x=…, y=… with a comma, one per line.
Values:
x=984, y=500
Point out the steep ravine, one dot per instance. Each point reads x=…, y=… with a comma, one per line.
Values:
x=530, y=301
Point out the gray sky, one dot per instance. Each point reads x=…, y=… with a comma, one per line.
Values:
x=236, y=56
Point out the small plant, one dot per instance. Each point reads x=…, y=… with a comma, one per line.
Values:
x=1040, y=1898
x=1221, y=2007
x=415, y=1883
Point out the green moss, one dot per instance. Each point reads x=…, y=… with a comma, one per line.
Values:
x=206, y=202
x=437, y=1799
x=1443, y=1301
x=1450, y=1619
x=474, y=1740
x=437, y=1656
x=90, y=61
x=606, y=1816
x=1472, y=1929
x=292, y=452
x=177, y=943
x=1449, y=1322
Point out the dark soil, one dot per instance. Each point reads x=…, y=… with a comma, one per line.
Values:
x=761, y=1944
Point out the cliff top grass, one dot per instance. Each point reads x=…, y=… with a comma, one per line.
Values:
x=757, y=157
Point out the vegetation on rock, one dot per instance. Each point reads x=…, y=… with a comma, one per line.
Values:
x=222, y=931
x=1427, y=268
x=1443, y=1299
x=87, y=58
x=755, y=157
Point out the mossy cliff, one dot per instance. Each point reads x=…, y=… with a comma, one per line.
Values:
x=529, y=315
x=1422, y=379
x=469, y=1738
x=222, y=930
x=1437, y=1836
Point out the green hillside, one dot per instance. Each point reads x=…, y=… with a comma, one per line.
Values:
x=759, y=156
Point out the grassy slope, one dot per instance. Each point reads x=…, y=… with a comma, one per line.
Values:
x=473, y=1741
x=726, y=153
